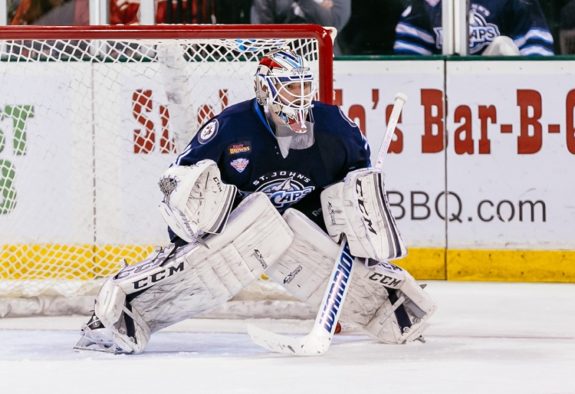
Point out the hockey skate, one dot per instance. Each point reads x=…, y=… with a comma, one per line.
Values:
x=114, y=327
x=96, y=337
x=408, y=316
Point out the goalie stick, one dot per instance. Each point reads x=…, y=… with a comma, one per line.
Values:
x=319, y=339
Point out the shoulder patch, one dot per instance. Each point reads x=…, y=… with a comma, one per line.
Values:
x=240, y=164
x=240, y=147
x=208, y=132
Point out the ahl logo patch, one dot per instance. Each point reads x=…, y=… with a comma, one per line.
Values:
x=208, y=132
x=240, y=164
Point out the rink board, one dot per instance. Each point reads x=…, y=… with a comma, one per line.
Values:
x=479, y=185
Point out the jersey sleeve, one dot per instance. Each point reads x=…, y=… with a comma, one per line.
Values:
x=207, y=144
x=414, y=32
x=357, y=148
x=530, y=31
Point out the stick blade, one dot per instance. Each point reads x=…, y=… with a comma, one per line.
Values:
x=310, y=345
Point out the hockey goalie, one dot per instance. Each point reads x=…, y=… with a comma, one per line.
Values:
x=270, y=185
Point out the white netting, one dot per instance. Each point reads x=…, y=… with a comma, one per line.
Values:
x=86, y=128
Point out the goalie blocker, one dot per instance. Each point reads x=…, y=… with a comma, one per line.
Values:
x=358, y=208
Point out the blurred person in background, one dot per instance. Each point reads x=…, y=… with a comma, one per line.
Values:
x=333, y=13
x=371, y=28
x=47, y=12
x=11, y=6
x=76, y=12
x=127, y=12
x=496, y=27
x=233, y=11
x=567, y=16
x=567, y=28
x=183, y=11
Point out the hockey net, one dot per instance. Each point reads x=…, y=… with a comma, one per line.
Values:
x=89, y=119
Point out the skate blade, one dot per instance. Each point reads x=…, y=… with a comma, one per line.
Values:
x=94, y=345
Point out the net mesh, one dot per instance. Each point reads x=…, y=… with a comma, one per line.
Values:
x=86, y=128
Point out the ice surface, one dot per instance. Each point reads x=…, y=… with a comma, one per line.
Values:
x=485, y=338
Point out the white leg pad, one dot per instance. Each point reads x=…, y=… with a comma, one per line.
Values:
x=305, y=268
x=171, y=286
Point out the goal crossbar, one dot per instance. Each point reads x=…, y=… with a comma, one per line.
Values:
x=131, y=32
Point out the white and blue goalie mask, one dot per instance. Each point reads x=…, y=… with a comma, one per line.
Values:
x=286, y=86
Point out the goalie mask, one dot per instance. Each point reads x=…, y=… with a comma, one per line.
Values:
x=286, y=86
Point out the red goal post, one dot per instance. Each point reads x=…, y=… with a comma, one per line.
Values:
x=89, y=119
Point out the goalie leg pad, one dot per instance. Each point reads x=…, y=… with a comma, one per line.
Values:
x=113, y=327
x=358, y=207
x=404, y=314
x=176, y=284
x=303, y=270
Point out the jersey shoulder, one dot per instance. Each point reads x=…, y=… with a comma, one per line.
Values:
x=233, y=121
x=331, y=119
x=340, y=140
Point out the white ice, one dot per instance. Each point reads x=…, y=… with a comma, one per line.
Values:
x=485, y=338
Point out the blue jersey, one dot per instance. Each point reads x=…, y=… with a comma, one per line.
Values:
x=419, y=30
x=245, y=148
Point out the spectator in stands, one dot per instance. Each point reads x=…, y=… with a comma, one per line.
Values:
x=567, y=28
x=181, y=11
x=233, y=11
x=371, y=28
x=567, y=16
x=496, y=27
x=12, y=5
x=334, y=13
x=45, y=12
